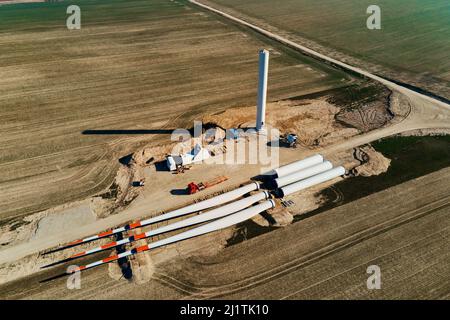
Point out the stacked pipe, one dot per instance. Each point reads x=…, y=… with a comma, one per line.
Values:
x=298, y=165
x=213, y=214
x=304, y=173
x=224, y=216
x=219, y=224
x=312, y=181
x=202, y=205
x=289, y=179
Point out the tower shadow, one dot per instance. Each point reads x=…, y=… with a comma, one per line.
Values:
x=125, y=132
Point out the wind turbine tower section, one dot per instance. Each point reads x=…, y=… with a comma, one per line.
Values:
x=262, y=90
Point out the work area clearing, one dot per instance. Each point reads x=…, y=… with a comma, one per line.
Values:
x=222, y=211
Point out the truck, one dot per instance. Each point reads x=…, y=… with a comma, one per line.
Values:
x=291, y=140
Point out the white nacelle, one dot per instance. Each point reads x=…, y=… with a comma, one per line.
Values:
x=197, y=154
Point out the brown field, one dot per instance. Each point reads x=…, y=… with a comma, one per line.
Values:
x=140, y=65
x=411, y=47
x=404, y=230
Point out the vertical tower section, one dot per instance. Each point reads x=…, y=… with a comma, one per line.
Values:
x=262, y=89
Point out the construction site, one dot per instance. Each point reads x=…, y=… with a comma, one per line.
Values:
x=291, y=197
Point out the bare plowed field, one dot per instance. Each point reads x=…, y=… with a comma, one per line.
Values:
x=134, y=65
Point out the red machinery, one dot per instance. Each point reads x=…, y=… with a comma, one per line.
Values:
x=194, y=187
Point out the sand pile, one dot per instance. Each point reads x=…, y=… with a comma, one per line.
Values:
x=373, y=162
x=312, y=120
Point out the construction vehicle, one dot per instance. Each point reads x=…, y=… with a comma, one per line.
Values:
x=291, y=140
x=196, y=187
x=139, y=183
x=124, y=263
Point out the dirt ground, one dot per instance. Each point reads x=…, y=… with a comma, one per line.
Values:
x=404, y=230
x=351, y=152
x=315, y=122
x=318, y=122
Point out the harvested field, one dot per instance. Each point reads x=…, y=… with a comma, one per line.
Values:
x=135, y=71
x=411, y=47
